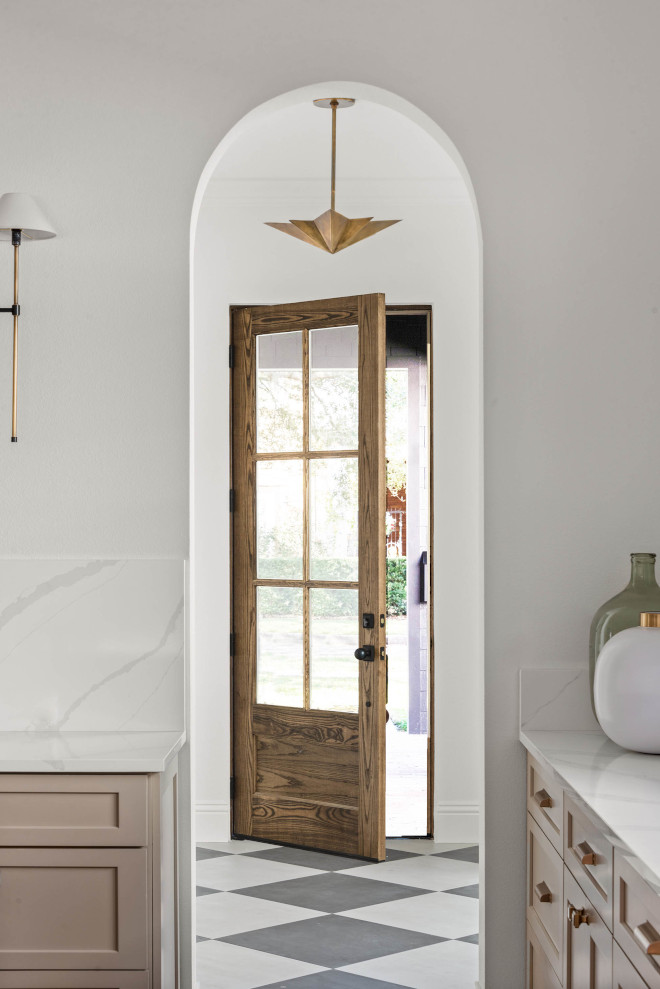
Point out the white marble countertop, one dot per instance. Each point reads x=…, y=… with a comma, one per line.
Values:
x=621, y=788
x=88, y=751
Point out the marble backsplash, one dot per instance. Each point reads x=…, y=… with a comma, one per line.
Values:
x=91, y=645
x=556, y=700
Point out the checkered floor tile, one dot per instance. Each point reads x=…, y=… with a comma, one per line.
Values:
x=286, y=918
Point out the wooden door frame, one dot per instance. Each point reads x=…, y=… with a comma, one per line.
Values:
x=400, y=310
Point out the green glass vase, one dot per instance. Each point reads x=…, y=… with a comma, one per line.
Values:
x=623, y=610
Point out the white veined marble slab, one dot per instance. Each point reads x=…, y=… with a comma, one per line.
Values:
x=556, y=700
x=88, y=752
x=91, y=645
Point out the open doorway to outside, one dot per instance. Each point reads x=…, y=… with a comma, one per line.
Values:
x=409, y=745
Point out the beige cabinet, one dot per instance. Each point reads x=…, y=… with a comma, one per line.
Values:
x=82, y=866
x=592, y=920
x=588, y=947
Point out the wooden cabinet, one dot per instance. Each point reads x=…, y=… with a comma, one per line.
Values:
x=545, y=802
x=588, y=945
x=540, y=973
x=626, y=975
x=637, y=920
x=590, y=857
x=85, y=860
x=77, y=809
x=544, y=894
x=592, y=920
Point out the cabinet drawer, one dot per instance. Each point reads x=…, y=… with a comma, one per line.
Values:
x=544, y=802
x=625, y=975
x=74, y=980
x=545, y=893
x=589, y=856
x=588, y=942
x=637, y=920
x=73, y=908
x=540, y=973
x=47, y=809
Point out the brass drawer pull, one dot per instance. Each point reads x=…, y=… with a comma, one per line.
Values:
x=647, y=938
x=543, y=798
x=576, y=917
x=543, y=893
x=586, y=854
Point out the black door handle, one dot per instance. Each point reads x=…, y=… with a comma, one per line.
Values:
x=365, y=652
x=423, y=577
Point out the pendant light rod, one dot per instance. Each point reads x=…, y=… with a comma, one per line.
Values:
x=334, y=104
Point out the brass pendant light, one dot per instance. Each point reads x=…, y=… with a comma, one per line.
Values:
x=331, y=231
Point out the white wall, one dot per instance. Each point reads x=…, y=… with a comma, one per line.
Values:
x=278, y=168
x=109, y=113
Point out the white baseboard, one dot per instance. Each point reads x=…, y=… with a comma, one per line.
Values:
x=212, y=822
x=454, y=822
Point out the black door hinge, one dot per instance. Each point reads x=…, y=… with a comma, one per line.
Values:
x=232, y=643
x=231, y=499
x=231, y=355
x=232, y=788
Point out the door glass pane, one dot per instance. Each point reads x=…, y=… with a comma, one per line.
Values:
x=334, y=636
x=333, y=388
x=279, y=393
x=280, y=646
x=280, y=518
x=333, y=507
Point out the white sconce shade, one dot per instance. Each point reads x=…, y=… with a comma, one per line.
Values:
x=20, y=212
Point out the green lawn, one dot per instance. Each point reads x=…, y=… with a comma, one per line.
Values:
x=334, y=669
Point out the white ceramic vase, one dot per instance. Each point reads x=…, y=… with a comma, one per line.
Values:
x=627, y=687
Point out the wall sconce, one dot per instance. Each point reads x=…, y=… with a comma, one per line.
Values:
x=20, y=217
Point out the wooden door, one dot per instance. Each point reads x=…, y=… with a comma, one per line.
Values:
x=308, y=477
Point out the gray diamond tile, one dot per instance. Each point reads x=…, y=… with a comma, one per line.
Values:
x=204, y=891
x=472, y=891
x=333, y=980
x=307, y=858
x=469, y=854
x=470, y=939
x=331, y=892
x=332, y=941
x=207, y=853
x=199, y=938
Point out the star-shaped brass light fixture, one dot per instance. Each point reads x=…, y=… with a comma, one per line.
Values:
x=331, y=231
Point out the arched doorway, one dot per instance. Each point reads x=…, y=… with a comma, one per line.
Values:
x=234, y=260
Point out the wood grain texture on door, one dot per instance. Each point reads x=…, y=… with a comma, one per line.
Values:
x=303, y=775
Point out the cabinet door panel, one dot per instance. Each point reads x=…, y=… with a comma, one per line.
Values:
x=589, y=856
x=626, y=975
x=67, y=809
x=74, y=980
x=77, y=908
x=545, y=893
x=545, y=802
x=588, y=946
x=637, y=919
x=540, y=973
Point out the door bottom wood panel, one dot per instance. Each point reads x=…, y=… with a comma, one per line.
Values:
x=305, y=822
x=306, y=786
